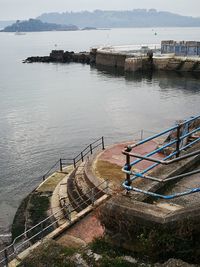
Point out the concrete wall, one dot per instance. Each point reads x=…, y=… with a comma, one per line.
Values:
x=152, y=231
x=133, y=64
x=145, y=63
x=137, y=222
x=110, y=59
x=176, y=64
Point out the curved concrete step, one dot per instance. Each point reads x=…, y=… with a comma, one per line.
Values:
x=76, y=199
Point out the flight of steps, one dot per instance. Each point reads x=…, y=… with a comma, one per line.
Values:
x=78, y=190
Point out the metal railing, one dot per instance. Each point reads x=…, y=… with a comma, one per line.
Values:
x=63, y=162
x=89, y=150
x=179, y=134
x=46, y=226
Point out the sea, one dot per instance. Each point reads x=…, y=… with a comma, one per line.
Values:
x=50, y=111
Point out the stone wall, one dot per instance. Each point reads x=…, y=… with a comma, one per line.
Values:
x=152, y=231
x=110, y=59
x=176, y=64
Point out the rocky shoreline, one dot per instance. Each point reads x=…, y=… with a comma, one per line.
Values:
x=61, y=56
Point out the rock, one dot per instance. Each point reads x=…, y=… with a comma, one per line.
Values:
x=129, y=259
x=97, y=257
x=174, y=263
x=93, y=255
x=62, y=57
x=79, y=261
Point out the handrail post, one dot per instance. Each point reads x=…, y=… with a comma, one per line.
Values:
x=82, y=156
x=178, y=133
x=107, y=187
x=74, y=160
x=61, y=169
x=91, y=149
x=42, y=234
x=92, y=197
x=69, y=213
x=103, y=145
x=128, y=166
x=6, y=257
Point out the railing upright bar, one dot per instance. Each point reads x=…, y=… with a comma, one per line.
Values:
x=6, y=257
x=61, y=168
x=190, y=133
x=178, y=132
x=74, y=162
x=103, y=145
x=91, y=149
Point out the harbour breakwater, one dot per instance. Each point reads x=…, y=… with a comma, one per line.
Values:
x=62, y=56
x=128, y=61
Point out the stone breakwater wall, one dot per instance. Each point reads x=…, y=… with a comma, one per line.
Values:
x=148, y=62
x=177, y=63
x=115, y=60
x=62, y=56
x=129, y=62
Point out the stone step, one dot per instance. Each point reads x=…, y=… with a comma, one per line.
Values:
x=76, y=199
x=80, y=189
x=83, y=187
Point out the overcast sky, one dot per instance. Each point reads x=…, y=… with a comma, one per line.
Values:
x=23, y=9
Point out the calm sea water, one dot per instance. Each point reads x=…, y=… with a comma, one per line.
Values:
x=48, y=111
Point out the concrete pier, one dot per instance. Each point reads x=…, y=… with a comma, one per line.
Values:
x=139, y=60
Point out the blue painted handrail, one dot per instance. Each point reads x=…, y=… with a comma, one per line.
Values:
x=179, y=141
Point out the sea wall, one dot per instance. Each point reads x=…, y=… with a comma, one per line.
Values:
x=142, y=63
x=115, y=60
x=176, y=64
x=126, y=61
x=146, y=62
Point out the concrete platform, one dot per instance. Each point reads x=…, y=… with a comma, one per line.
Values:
x=108, y=163
x=158, y=228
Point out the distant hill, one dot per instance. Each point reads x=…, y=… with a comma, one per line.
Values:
x=113, y=19
x=35, y=25
x=5, y=23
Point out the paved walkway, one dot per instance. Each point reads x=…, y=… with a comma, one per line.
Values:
x=114, y=154
x=85, y=230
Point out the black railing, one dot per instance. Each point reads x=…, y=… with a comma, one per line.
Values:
x=48, y=225
x=89, y=150
x=61, y=163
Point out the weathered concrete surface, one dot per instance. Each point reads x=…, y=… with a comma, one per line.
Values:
x=86, y=230
x=63, y=230
x=159, y=229
x=108, y=163
x=172, y=63
x=115, y=60
x=139, y=63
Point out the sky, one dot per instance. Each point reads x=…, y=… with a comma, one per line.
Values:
x=24, y=9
